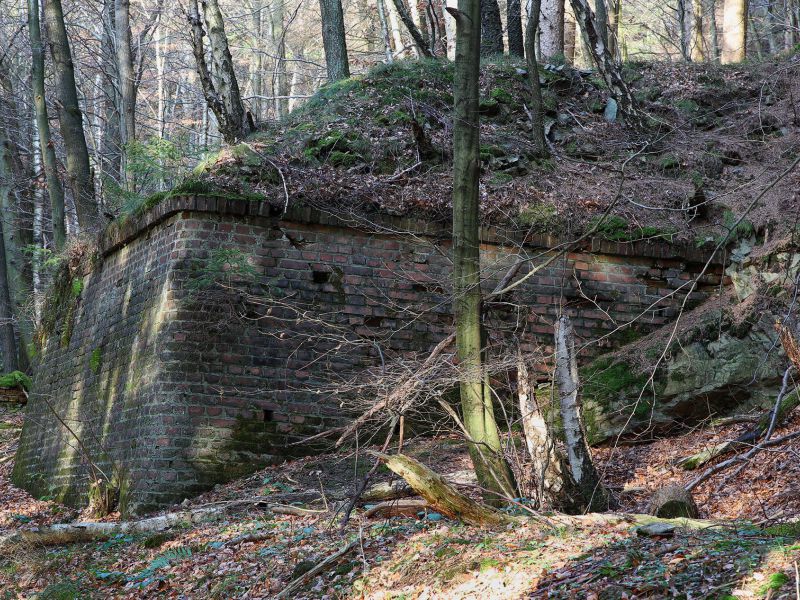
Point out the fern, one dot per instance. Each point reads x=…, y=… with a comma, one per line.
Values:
x=144, y=577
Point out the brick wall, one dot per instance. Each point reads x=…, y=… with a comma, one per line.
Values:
x=206, y=342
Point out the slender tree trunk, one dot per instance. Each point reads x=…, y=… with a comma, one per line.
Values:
x=605, y=64
x=111, y=153
x=491, y=28
x=615, y=17
x=54, y=189
x=684, y=27
x=127, y=84
x=484, y=443
x=220, y=86
x=713, y=30
x=387, y=42
x=551, y=30
x=516, y=44
x=333, y=39
x=420, y=42
x=569, y=38
x=79, y=172
x=601, y=20
x=580, y=458
x=537, y=106
x=8, y=339
x=394, y=22
x=698, y=40
x=450, y=29
x=734, y=31
x=279, y=84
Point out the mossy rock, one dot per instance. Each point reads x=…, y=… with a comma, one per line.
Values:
x=15, y=380
x=502, y=96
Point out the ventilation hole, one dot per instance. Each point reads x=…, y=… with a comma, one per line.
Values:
x=321, y=276
x=267, y=416
x=373, y=321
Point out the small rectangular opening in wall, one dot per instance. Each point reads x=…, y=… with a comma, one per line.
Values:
x=321, y=276
x=267, y=415
x=373, y=321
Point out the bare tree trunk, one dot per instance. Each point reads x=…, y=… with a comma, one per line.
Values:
x=491, y=28
x=478, y=413
x=580, y=458
x=220, y=86
x=54, y=189
x=605, y=64
x=569, y=38
x=551, y=30
x=734, y=31
x=387, y=42
x=450, y=29
x=420, y=42
x=698, y=41
x=685, y=34
x=516, y=44
x=111, y=153
x=333, y=39
x=555, y=487
x=601, y=19
x=278, y=35
x=394, y=22
x=613, y=26
x=713, y=30
x=79, y=172
x=126, y=83
x=8, y=339
x=537, y=106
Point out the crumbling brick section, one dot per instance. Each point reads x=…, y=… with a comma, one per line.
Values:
x=208, y=340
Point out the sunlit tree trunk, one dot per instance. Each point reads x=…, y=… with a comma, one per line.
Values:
x=54, y=189
x=491, y=28
x=384, y=23
x=126, y=83
x=551, y=29
x=220, y=86
x=333, y=39
x=734, y=31
x=570, y=31
x=79, y=172
x=698, y=40
x=450, y=29
x=614, y=19
x=484, y=438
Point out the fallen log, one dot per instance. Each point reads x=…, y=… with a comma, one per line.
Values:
x=387, y=490
x=408, y=507
x=87, y=531
x=673, y=501
x=442, y=496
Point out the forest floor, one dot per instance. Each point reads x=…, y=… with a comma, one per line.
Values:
x=751, y=552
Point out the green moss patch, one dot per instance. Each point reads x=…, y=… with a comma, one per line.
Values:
x=15, y=380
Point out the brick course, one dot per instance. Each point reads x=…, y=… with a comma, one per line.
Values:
x=185, y=394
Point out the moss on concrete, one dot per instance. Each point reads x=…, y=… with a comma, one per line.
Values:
x=15, y=380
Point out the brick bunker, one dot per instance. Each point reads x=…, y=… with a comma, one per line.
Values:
x=172, y=392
